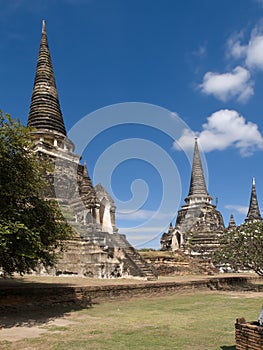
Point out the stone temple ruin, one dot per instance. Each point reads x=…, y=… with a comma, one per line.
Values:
x=97, y=249
x=253, y=213
x=199, y=224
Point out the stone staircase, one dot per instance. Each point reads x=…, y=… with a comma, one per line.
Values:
x=91, y=234
x=135, y=262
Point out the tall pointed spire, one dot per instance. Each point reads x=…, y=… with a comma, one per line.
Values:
x=253, y=211
x=232, y=224
x=198, y=188
x=45, y=110
x=198, y=223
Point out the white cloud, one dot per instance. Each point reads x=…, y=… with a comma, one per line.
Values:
x=186, y=140
x=252, y=52
x=224, y=129
x=234, y=47
x=201, y=51
x=142, y=214
x=155, y=230
x=144, y=236
x=238, y=208
x=237, y=83
x=228, y=85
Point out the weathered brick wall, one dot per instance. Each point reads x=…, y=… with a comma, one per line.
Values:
x=249, y=335
x=178, y=264
x=37, y=295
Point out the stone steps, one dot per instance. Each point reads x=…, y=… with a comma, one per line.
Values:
x=106, y=241
x=144, y=269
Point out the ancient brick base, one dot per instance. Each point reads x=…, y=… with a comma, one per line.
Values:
x=249, y=335
x=36, y=295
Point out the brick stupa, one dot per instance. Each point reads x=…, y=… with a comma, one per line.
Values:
x=96, y=249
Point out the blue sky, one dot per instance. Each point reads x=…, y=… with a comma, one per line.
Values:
x=201, y=60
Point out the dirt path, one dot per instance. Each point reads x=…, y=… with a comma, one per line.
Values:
x=32, y=330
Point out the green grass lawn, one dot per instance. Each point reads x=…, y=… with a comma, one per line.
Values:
x=192, y=321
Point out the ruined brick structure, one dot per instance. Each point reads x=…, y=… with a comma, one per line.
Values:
x=249, y=335
x=198, y=223
x=97, y=249
x=253, y=213
x=232, y=224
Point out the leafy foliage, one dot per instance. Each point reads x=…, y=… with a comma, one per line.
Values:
x=32, y=228
x=242, y=249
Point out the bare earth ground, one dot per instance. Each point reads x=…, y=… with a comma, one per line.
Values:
x=84, y=281
x=37, y=322
x=13, y=334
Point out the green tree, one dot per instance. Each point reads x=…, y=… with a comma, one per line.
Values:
x=32, y=228
x=242, y=249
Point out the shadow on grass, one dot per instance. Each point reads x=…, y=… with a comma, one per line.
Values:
x=33, y=317
x=231, y=347
x=30, y=304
